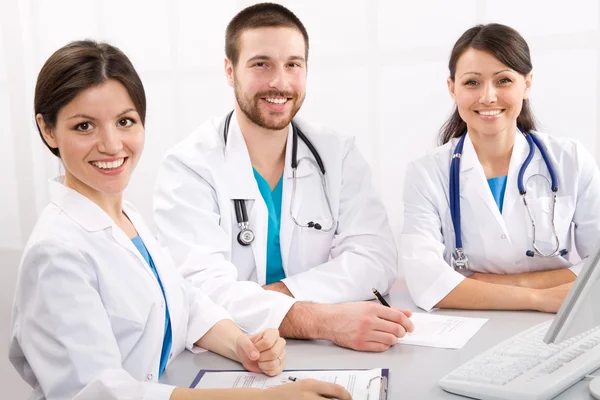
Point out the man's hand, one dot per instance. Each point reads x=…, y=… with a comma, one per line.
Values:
x=367, y=326
x=263, y=353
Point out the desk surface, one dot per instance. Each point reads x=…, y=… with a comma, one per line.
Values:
x=414, y=370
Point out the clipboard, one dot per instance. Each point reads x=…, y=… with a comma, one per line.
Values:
x=383, y=389
x=385, y=373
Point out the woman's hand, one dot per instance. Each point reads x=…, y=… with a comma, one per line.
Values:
x=264, y=352
x=549, y=300
x=306, y=389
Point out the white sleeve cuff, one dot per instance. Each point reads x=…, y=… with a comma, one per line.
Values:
x=159, y=391
x=199, y=326
x=577, y=267
x=439, y=289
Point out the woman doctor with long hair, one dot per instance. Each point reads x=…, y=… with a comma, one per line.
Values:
x=489, y=214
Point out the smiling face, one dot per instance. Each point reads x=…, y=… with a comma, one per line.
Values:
x=100, y=138
x=488, y=94
x=270, y=76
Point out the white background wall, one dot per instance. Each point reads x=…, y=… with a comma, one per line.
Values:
x=377, y=70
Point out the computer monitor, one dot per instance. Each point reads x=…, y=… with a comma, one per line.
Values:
x=580, y=311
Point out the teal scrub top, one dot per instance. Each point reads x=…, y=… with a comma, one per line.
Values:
x=168, y=335
x=273, y=201
x=498, y=187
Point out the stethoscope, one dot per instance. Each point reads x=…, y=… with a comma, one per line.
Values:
x=246, y=236
x=460, y=260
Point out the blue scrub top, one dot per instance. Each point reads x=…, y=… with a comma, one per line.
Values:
x=498, y=187
x=168, y=335
x=272, y=199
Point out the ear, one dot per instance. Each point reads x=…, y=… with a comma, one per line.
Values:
x=528, y=80
x=47, y=132
x=228, y=66
x=450, y=84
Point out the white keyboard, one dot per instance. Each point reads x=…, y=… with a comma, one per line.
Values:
x=523, y=367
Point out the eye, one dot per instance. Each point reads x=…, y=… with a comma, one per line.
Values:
x=260, y=64
x=126, y=122
x=504, y=81
x=294, y=65
x=83, y=127
x=471, y=83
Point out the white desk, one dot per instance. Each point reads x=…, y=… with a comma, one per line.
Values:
x=414, y=371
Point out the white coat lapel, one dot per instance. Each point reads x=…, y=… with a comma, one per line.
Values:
x=307, y=166
x=519, y=154
x=287, y=226
x=240, y=178
x=162, y=263
x=122, y=239
x=473, y=181
x=242, y=185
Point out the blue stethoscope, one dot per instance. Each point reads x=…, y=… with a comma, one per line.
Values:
x=459, y=259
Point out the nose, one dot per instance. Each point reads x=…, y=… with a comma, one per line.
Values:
x=488, y=94
x=278, y=78
x=110, y=141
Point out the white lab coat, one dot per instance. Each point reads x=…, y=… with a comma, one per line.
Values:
x=89, y=314
x=195, y=216
x=494, y=242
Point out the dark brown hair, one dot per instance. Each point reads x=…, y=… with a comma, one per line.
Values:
x=262, y=15
x=79, y=66
x=508, y=46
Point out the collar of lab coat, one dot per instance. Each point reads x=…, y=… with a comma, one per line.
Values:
x=91, y=217
x=470, y=160
x=242, y=184
x=78, y=207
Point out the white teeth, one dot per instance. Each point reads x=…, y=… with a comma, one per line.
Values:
x=109, y=165
x=489, y=113
x=276, y=100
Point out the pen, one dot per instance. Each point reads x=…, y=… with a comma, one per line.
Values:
x=380, y=298
x=292, y=378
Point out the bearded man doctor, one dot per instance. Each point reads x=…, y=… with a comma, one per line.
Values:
x=489, y=214
x=276, y=218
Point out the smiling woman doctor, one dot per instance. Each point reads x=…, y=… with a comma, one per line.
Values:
x=100, y=309
x=471, y=206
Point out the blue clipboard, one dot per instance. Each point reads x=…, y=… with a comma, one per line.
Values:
x=385, y=373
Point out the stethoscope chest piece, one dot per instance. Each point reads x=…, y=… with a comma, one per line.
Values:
x=245, y=237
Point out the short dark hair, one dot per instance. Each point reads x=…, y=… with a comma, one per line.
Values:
x=260, y=15
x=508, y=46
x=79, y=66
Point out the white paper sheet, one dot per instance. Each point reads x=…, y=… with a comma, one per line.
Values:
x=358, y=383
x=443, y=331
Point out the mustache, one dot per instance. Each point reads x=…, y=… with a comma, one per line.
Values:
x=277, y=93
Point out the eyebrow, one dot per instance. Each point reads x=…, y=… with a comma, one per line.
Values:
x=262, y=57
x=84, y=116
x=495, y=73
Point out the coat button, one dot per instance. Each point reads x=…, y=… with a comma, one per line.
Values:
x=149, y=377
x=162, y=304
x=503, y=236
x=170, y=355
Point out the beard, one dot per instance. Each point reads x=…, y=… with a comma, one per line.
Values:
x=251, y=108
